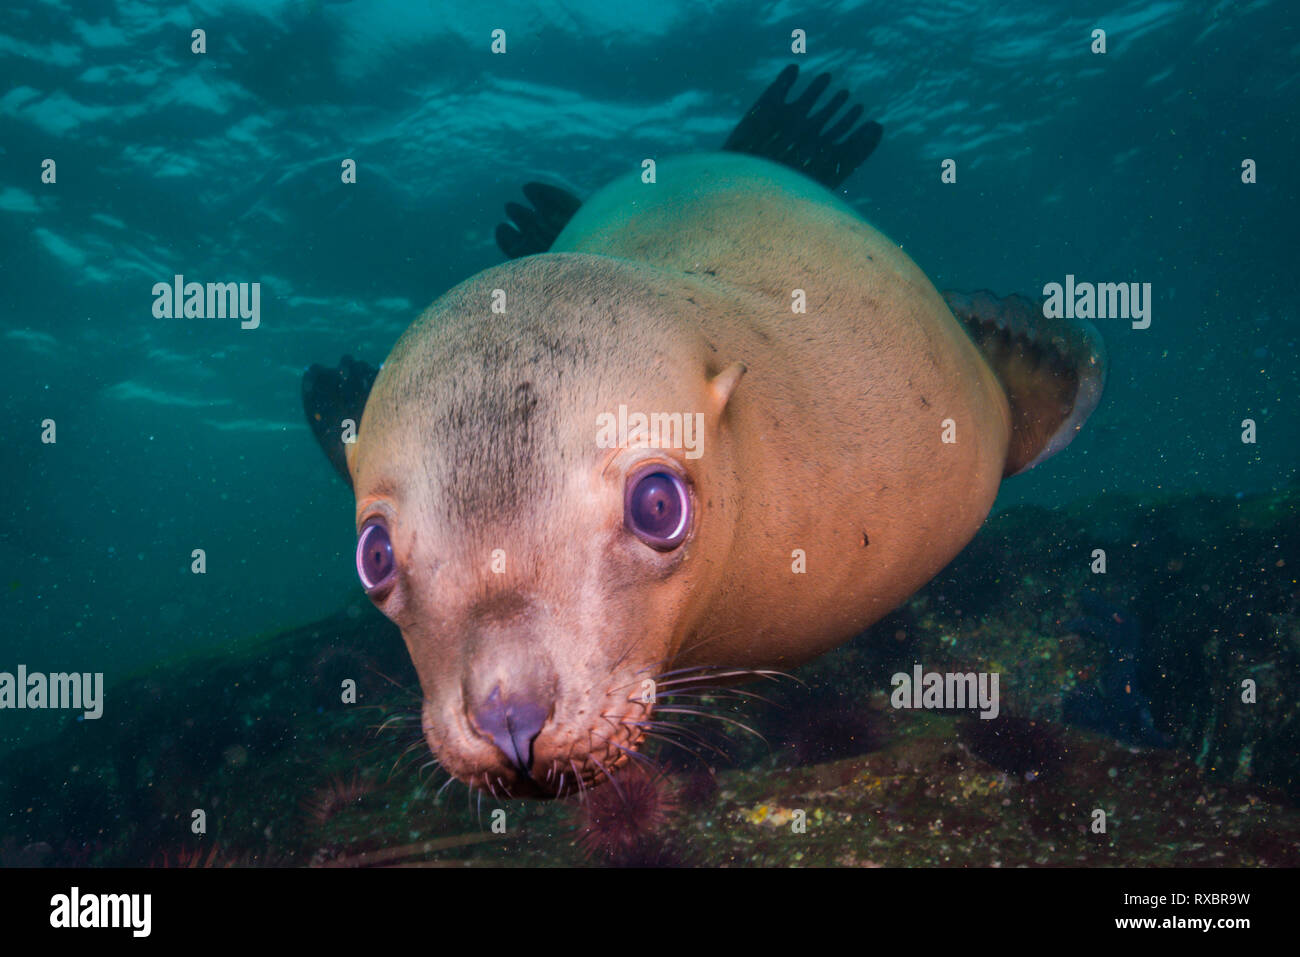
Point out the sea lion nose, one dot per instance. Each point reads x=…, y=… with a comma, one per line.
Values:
x=512, y=724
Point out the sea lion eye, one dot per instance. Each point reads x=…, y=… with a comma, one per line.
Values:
x=375, y=563
x=657, y=507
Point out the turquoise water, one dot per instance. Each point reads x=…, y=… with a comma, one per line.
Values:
x=179, y=434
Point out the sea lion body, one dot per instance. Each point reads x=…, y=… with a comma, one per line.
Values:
x=841, y=453
x=479, y=438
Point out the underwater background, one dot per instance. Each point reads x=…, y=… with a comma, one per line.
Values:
x=178, y=434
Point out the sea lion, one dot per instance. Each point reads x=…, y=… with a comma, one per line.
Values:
x=653, y=466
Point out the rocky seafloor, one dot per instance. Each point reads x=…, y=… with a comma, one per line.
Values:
x=1160, y=696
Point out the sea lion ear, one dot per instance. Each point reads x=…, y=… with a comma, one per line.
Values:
x=1053, y=370
x=723, y=384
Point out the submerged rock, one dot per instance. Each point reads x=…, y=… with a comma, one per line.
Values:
x=1184, y=749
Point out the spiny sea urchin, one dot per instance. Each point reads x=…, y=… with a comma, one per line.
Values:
x=194, y=857
x=621, y=820
x=339, y=794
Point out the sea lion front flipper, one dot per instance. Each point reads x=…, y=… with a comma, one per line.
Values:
x=535, y=229
x=792, y=135
x=1053, y=370
x=331, y=396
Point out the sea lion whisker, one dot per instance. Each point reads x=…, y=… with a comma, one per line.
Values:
x=404, y=688
x=399, y=723
x=626, y=651
x=608, y=739
x=705, y=691
x=658, y=676
x=701, y=697
x=375, y=746
x=675, y=671
x=582, y=791
x=623, y=657
x=418, y=742
x=616, y=718
x=414, y=745
x=404, y=770
x=436, y=768
x=397, y=714
x=737, y=672
x=663, y=728
x=677, y=744
x=397, y=761
x=612, y=719
x=392, y=719
x=609, y=777
x=684, y=671
x=718, y=689
x=438, y=795
x=645, y=759
x=698, y=671
x=505, y=789
x=668, y=724
x=722, y=671
x=680, y=674
x=716, y=717
x=732, y=673
x=631, y=684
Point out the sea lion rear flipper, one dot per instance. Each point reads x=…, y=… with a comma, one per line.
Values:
x=329, y=396
x=1053, y=370
x=535, y=229
x=791, y=134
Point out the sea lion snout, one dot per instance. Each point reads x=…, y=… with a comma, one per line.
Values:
x=512, y=724
x=524, y=711
x=522, y=741
x=509, y=688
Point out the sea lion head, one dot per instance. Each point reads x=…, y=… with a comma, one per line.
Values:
x=545, y=559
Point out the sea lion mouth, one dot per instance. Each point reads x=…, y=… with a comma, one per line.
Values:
x=569, y=775
x=516, y=747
